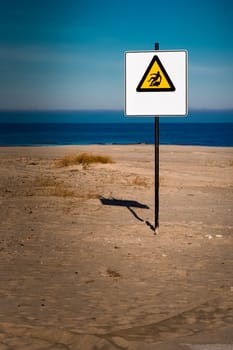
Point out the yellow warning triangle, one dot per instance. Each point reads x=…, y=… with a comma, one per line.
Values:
x=155, y=78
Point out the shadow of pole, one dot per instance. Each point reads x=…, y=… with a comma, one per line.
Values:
x=128, y=204
x=140, y=219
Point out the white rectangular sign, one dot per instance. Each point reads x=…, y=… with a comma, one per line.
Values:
x=156, y=83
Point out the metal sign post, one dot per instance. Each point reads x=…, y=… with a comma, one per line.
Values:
x=156, y=204
x=156, y=86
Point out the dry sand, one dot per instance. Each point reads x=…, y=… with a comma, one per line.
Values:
x=81, y=267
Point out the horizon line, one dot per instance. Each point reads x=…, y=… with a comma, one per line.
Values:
x=194, y=109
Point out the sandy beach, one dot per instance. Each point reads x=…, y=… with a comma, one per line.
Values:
x=81, y=267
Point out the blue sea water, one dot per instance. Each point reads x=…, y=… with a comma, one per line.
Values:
x=181, y=133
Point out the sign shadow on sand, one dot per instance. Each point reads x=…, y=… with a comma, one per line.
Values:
x=129, y=204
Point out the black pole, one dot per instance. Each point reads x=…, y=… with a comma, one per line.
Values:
x=156, y=125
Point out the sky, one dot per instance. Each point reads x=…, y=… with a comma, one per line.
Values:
x=69, y=55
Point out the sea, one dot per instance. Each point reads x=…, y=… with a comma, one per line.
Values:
x=81, y=128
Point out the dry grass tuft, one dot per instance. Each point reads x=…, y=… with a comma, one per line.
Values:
x=61, y=191
x=89, y=195
x=219, y=164
x=48, y=186
x=139, y=181
x=52, y=187
x=112, y=273
x=162, y=181
x=44, y=181
x=85, y=159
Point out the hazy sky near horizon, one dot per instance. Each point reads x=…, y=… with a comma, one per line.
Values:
x=57, y=54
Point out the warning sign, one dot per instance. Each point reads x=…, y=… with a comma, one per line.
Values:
x=155, y=78
x=156, y=83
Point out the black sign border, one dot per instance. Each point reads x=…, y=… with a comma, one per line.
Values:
x=139, y=87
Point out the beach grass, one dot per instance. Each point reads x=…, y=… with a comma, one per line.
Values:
x=85, y=159
x=139, y=181
x=49, y=186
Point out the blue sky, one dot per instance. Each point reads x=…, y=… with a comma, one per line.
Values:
x=57, y=54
